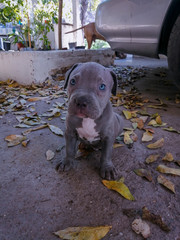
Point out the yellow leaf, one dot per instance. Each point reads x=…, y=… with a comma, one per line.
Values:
x=156, y=144
x=127, y=114
x=127, y=138
x=163, y=169
x=119, y=187
x=83, y=233
x=168, y=157
x=158, y=120
x=117, y=145
x=165, y=182
x=152, y=158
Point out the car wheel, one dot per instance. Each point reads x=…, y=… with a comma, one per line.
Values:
x=174, y=53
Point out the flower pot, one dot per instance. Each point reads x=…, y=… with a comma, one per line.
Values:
x=7, y=45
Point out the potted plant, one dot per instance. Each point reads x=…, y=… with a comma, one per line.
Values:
x=45, y=13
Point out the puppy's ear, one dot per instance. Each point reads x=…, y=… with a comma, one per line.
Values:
x=114, y=88
x=68, y=74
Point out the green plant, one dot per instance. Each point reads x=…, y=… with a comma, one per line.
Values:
x=11, y=11
x=97, y=44
x=44, y=13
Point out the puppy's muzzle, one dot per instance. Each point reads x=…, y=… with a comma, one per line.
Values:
x=81, y=102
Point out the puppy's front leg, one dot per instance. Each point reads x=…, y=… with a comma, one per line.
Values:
x=107, y=169
x=67, y=162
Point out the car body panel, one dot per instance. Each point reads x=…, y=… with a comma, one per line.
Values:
x=132, y=26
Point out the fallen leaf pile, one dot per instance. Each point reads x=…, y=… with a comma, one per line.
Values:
x=21, y=102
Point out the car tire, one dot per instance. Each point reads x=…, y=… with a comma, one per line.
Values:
x=174, y=53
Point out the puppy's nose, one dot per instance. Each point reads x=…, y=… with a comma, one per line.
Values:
x=81, y=102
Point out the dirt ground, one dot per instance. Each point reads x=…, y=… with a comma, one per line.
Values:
x=36, y=200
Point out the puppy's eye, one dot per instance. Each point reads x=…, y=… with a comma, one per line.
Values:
x=73, y=81
x=102, y=87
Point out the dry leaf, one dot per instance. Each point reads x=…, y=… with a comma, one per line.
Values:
x=83, y=233
x=163, y=169
x=158, y=120
x=139, y=121
x=119, y=187
x=55, y=130
x=127, y=114
x=117, y=145
x=147, y=136
x=152, y=158
x=157, y=144
x=127, y=138
x=165, y=182
x=25, y=143
x=34, y=99
x=14, y=140
x=171, y=129
x=144, y=173
x=50, y=155
x=156, y=219
x=34, y=129
x=141, y=227
x=168, y=157
x=144, y=118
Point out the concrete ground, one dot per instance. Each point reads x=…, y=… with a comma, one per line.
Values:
x=36, y=200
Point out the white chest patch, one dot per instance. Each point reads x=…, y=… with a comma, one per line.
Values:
x=87, y=131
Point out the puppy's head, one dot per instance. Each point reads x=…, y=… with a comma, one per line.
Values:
x=89, y=88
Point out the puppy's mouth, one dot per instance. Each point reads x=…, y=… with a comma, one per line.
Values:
x=84, y=106
x=81, y=114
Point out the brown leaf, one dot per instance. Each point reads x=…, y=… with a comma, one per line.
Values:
x=34, y=129
x=14, y=140
x=156, y=219
x=34, y=99
x=139, y=121
x=165, y=182
x=144, y=173
x=152, y=158
x=83, y=233
x=157, y=144
x=25, y=142
x=164, y=169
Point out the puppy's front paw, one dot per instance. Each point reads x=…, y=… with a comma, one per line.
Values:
x=108, y=172
x=64, y=165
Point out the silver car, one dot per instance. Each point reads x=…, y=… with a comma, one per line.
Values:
x=143, y=27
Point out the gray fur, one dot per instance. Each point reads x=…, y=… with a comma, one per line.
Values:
x=90, y=104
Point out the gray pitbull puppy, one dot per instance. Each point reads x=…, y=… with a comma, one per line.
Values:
x=90, y=115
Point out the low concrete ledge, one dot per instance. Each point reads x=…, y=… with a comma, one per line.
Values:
x=27, y=67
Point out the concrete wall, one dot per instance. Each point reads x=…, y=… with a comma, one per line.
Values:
x=36, y=66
